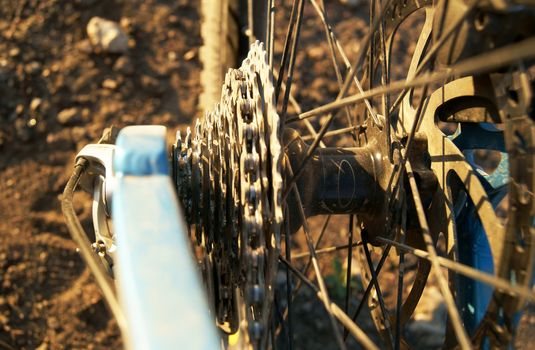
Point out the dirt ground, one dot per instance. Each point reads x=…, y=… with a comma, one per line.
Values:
x=48, y=299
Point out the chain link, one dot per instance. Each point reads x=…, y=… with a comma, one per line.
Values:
x=228, y=176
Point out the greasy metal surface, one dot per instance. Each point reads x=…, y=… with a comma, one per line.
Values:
x=344, y=181
x=229, y=179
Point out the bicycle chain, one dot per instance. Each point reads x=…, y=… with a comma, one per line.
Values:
x=228, y=177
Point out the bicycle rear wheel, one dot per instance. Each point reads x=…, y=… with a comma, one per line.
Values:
x=437, y=207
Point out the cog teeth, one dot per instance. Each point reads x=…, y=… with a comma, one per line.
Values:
x=188, y=136
x=235, y=189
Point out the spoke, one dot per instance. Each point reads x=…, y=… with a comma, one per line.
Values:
x=370, y=285
x=293, y=54
x=250, y=22
x=402, y=232
x=328, y=37
x=309, y=255
x=325, y=296
x=453, y=313
x=271, y=33
x=309, y=263
x=470, y=66
x=325, y=250
x=349, y=77
x=349, y=261
x=298, y=110
x=395, y=180
x=385, y=79
x=272, y=330
x=468, y=271
x=289, y=283
x=284, y=58
x=336, y=132
x=399, y=300
x=386, y=316
x=278, y=314
x=355, y=330
x=347, y=64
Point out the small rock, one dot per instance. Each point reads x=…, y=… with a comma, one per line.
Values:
x=127, y=24
x=69, y=116
x=35, y=104
x=110, y=84
x=190, y=54
x=171, y=56
x=84, y=46
x=33, y=68
x=124, y=65
x=14, y=52
x=86, y=113
x=43, y=346
x=19, y=109
x=173, y=19
x=107, y=35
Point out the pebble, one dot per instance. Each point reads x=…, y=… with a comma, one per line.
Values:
x=110, y=84
x=19, y=109
x=171, y=56
x=190, y=55
x=34, y=105
x=173, y=19
x=14, y=52
x=127, y=24
x=84, y=46
x=107, y=35
x=124, y=65
x=33, y=68
x=68, y=116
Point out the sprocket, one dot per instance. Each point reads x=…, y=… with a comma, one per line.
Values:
x=228, y=177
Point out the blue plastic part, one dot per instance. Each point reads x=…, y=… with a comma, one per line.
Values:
x=141, y=151
x=473, y=246
x=158, y=281
x=474, y=250
x=483, y=136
